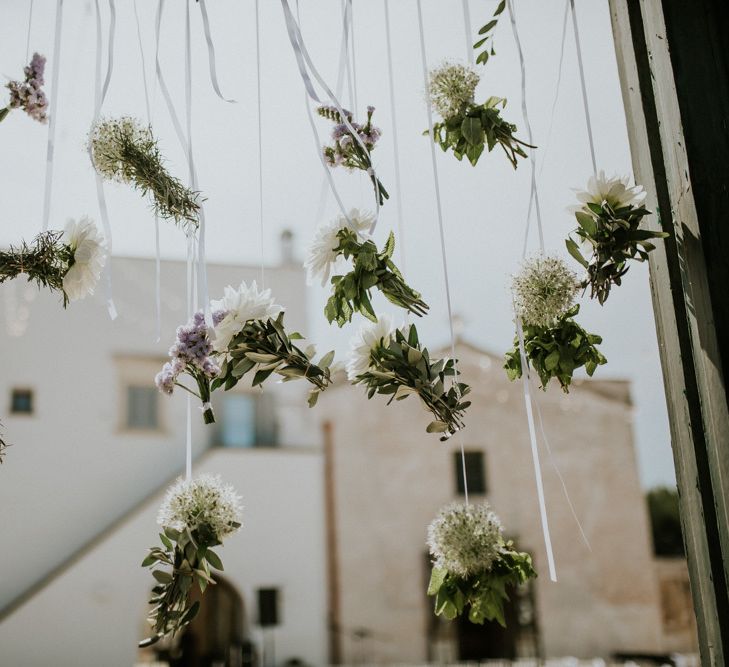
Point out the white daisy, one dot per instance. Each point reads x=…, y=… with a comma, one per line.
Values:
x=465, y=539
x=89, y=257
x=321, y=258
x=370, y=336
x=241, y=305
x=543, y=290
x=203, y=501
x=615, y=191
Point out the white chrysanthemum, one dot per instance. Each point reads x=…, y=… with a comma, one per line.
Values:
x=321, y=258
x=203, y=501
x=89, y=257
x=451, y=88
x=614, y=191
x=543, y=290
x=241, y=305
x=465, y=539
x=104, y=143
x=369, y=336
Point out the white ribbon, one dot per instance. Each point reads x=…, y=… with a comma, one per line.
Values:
x=100, y=95
x=52, y=111
x=441, y=230
x=211, y=52
x=306, y=67
x=469, y=32
x=581, y=65
x=260, y=140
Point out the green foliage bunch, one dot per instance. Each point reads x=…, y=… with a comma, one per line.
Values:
x=263, y=347
x=556, y=351
x=398, y=366
x=371, y=269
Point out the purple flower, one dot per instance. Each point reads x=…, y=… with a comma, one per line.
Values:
x=27, y=95
x=165, y=379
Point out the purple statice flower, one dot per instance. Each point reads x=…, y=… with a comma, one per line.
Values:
x=370, y=110
x=340, y=130
x=219, y=316
x=28, y=95
x=166, y=378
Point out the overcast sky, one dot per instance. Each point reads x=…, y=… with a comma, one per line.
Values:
x=484, y=207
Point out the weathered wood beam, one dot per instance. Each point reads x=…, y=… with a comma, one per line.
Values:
x=685, y=315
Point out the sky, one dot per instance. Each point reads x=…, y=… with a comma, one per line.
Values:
x=484, y=207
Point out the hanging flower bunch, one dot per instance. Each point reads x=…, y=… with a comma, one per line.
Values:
x=348, y=238
x=346, y=150
x=125, y=151
x=69, y=262
x=248, y=334
x=556, y=351
x=467, y=128
x=473, y=565
x=192, y=356
x=251, y=336
x=608, y=226
x=391, y=361
x=195, y=516
x=28, y=95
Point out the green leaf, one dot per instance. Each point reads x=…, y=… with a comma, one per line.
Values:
x=482, y=58
x=437, y=427
x=437, y=579
x=487, y=27
x=162, y=576
x=327, y=359
x=472, y=131
x=587, y=222
x=214, y=560
x=574, y=250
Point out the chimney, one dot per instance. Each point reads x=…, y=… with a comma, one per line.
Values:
x=287, y=247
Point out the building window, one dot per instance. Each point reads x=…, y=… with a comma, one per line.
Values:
x=475, y=472
x=268, y=607
x=21, y=402
x=248, y=420
x=142, y=408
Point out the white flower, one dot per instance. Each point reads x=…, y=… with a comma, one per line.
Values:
x=321, y=258
x=369, y=336
x=543, y=290
x=451, y=88
x=203, y=501
x=89, y=257
x=241, y=305
x=614, y=191
x=465, y=539
x=105, y=143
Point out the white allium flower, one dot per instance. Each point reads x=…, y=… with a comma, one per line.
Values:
x=241, y=305
x=104, y=145
x=615, y=191
x=369, y=336
x=321, y=258
x=451, y=88
x=543, y=290
x=203, y=501
x=89, y=257
x=465, y=539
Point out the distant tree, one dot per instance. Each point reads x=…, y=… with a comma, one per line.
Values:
x=665, y=521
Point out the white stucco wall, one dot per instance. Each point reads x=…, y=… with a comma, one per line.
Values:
x=72, y=469
x=94, y=613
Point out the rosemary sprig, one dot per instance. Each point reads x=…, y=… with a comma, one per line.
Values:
x=371, y=270
x=45, y=261
x=264, y=346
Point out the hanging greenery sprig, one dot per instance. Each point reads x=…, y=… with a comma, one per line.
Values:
x=348, y=239
x=608, y=226
x=468, y=128
x=347, y=152
x=28, y=95
x=196, y=516
x=392, y=362
x=125, y=151
x=69, y=262
x=487, y=36
x=474, y=567
x=556, y=351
